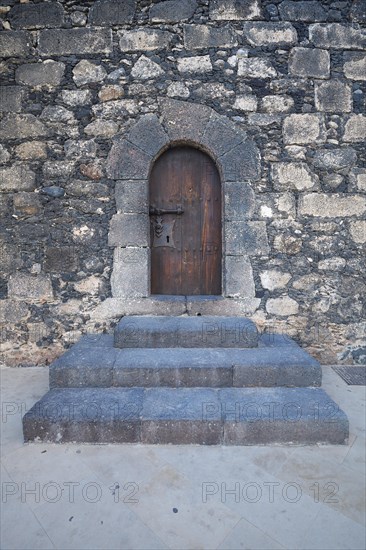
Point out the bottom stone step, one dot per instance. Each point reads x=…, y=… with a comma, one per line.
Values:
x=205, y=416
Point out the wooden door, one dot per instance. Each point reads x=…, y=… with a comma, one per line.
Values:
x=185, y=243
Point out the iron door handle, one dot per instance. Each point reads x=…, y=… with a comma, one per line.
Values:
x=160, y=211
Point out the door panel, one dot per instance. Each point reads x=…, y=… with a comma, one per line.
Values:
x=185, y=247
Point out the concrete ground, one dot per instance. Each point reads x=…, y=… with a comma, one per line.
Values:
x=184, y=497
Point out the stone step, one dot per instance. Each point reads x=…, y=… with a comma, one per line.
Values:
x=185, y=332
x=92, y=364
x=206, y=416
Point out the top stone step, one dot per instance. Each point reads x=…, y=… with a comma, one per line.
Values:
x=185, y=332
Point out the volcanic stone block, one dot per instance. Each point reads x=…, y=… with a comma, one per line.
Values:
x=90, y=415
x=289, y=415
x=198, y=37
x=246, y=238
x=340, y=160
x=262, y=34
x=309, y=11
x=17, y=178
x=256, y=67
x=185, y=332
x=130, y=273
x=48, y=73
x=29, y=288
x=75, y=41
x=197, y=64
x=131, y=196
x=176, y=417
x=335, y=205
x=242, y=163
x=15, y=43
x=145, y=68
x=354, y=65
x=235, y=10
x=173, y=367
x=83, y=367
x=293, y=175
x=222, y=135
x=184, y=120
x=239, y=277
x=11, y=98
x=282, y=306
x=36, y=16
x=106, y=13
x=126, y=161
x=129, y=230
x=333, y=96
x=355, y=128
x=149, y=135
x=337, y=36
x=144, y=40
x=172, y=11
x=308, y=62
x=302, y=129
x=239, y=201
x=17, y=126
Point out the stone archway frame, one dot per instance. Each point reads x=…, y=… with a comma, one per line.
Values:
x=129, y=164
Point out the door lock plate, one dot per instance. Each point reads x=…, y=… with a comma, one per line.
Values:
x=162, y=232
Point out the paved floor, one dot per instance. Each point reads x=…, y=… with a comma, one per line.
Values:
x=184, y=497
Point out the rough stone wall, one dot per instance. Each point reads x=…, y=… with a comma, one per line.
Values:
x=76, y=74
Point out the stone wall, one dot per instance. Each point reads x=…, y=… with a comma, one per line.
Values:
x=76, y=77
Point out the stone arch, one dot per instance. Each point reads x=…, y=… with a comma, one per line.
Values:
x=129, y=164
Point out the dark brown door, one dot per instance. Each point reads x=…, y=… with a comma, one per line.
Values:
x=185, y=243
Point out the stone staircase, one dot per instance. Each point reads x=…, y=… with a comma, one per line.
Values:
x=186, y=380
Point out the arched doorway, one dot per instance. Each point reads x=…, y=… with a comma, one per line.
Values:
x=185, y=216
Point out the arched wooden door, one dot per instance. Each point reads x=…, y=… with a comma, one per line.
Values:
x=185, y=216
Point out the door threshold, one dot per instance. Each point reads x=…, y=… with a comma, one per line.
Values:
x=188, y=298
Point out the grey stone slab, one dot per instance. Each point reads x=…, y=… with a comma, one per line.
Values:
x=309, y=62
x=239, y=201
x=198, y=37
x=186, y=332
x=172, y=11
x=246, y=238
x=222, y=306
x=130, y=273
x=19, y=126
x=75, y=41
x=88, y=415
x=149, y=135
x=234, y=10
x=242, y=163
x=174, y=367
x=126, y=161
x=230, y=416
x=112, y=12
x=83, y=366
x=183, y=120
x=132, y=196
x=281, y=415
x=177, y=416
x=99, y=340
x=36, y=16
x=222, y=135
x=15, y=43
x=129, y=230
x=267, y=367
x=48, y=73
x=309, y=11
x=337, y=35
x=11, y=98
